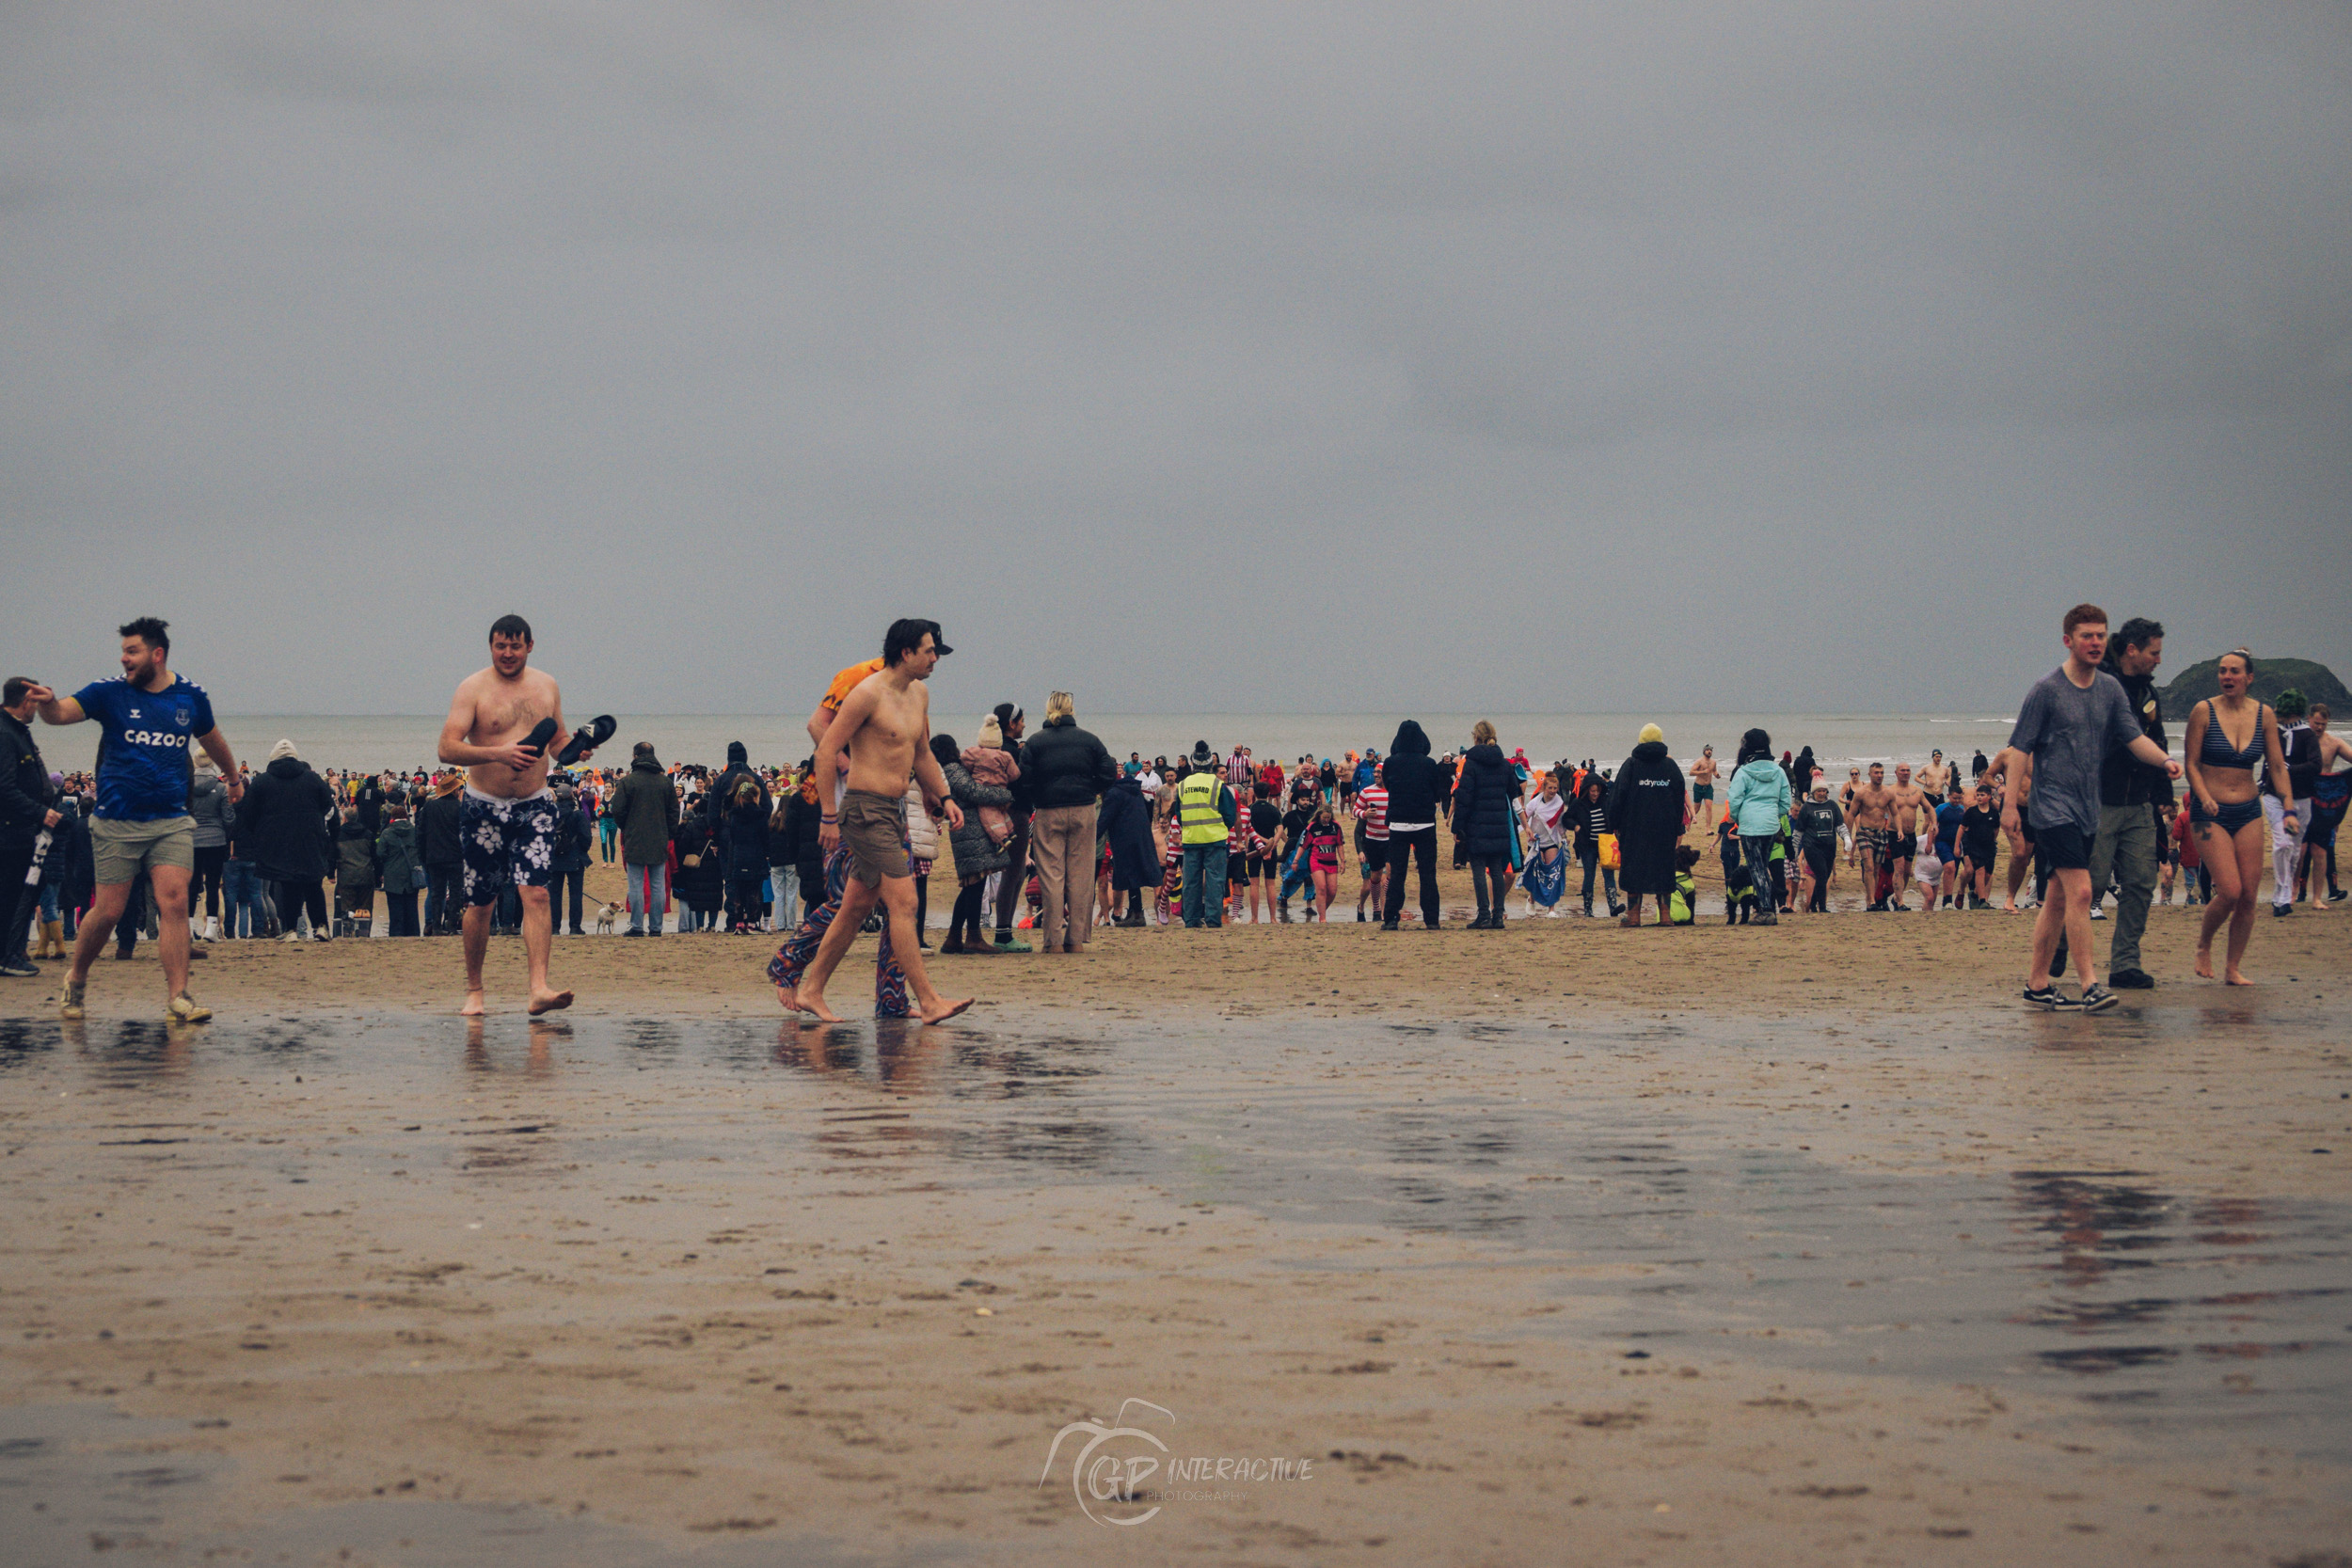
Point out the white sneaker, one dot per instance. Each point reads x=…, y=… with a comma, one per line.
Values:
x=212, y=928
x=290, y=936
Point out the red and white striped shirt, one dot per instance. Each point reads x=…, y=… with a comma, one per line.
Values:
x=1372, y=810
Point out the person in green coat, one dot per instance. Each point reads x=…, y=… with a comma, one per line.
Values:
x=403, y=868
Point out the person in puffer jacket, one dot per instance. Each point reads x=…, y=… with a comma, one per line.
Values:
x=1760, y=799
x=978, y=855
x=1483, y=792
x=922, y=848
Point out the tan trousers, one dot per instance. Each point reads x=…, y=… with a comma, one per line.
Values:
x=1061, y=846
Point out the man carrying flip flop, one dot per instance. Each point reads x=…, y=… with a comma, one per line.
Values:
x=500, y=727
x=884, y=726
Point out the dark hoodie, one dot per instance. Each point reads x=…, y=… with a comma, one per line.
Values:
x=282, y=823
x=1411, y=777
x=723, y=808
x=1481, y=800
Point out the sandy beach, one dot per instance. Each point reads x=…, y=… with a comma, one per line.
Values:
x=1561, y=1242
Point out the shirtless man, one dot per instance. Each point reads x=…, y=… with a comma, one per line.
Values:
x=1935, y=779
x=1911, y=802
x=1703, y=788
x=506, y=819
x=885, y=728
x=1873, y=818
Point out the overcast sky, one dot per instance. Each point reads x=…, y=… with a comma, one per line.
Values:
x=1256, y=358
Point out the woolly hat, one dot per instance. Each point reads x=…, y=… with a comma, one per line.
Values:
x=991, y=734
x=1649, y=732
x=284, y=749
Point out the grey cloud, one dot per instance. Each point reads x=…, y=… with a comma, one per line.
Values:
x=1692, y=349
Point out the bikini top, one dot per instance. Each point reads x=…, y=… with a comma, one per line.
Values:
x=2218, y=752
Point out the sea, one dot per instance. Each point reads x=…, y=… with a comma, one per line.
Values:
x=406, y=742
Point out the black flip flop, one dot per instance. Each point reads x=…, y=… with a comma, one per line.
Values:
x=540, y=732
x=587, y=738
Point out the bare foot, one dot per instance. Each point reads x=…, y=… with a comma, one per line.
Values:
x=785, y=998
x=2234, y=978
x=813, y=1003
x=944, y=1010
x=549, y=1002
x=2204, y=963
x=474, y=1008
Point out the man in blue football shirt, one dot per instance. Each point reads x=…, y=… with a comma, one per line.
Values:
x=148, y=719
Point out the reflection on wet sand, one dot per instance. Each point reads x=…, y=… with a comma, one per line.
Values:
x=1696, y=1220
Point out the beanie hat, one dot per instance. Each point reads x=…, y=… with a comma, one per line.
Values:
x=1649, y=733
x=284, y=749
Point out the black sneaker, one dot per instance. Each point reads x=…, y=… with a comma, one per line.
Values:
x=1388, y=925
x=2283, y=909
x=2047, y=997
x=2098, y=999
x=17, y=969
x=2132, y=979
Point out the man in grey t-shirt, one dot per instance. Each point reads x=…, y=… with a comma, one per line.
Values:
x=2069, y=723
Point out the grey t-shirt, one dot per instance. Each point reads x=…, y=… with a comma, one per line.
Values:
x=2069, y=730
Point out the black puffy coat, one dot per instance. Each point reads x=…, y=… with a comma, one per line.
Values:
x=437, y=833
x=282, y=823
x=804, y=846
x=1065, y=766
x=747, y=838
x=1411, y=776
x=1646, y=804
x=1126, y=826
x=702, y=885
x=1483, y=794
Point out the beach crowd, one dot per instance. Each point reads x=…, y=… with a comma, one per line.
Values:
x=1046, y=836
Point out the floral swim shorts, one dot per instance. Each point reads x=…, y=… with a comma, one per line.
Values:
x=505, y=842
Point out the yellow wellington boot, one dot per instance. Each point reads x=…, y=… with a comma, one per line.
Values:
x=52, y=939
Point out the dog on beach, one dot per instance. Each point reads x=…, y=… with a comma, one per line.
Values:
x=606, y=915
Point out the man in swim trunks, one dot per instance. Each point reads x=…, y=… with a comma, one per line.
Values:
x=1874, y=833
x=1703, y=788
x=795, y=954
x=506, y=819
x=1912, y=808
x=885, y=727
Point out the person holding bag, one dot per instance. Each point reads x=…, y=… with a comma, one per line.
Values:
x=1596, y=846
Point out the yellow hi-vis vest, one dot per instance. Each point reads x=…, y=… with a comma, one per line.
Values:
x=1196, y=807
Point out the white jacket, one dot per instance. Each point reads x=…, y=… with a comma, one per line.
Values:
x=922, y=833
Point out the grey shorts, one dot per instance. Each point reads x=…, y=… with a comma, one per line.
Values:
x=121, y=851
x=874, y=832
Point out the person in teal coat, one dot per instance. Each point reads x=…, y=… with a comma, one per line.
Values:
x=1760, y=798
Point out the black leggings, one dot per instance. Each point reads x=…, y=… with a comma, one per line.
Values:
x=922, y=903
x=293, y=897
x=209, y=860
x=1485, y=870
x=1423, y=844
x=967, y=912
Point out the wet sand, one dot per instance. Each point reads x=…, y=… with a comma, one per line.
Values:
x=1563, y=1241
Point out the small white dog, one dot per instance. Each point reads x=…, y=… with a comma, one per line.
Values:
x=606, y=915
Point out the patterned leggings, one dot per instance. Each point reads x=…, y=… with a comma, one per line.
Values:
x=1171, y=886
x=792, y=958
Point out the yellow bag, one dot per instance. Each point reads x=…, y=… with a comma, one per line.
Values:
x=1608, y=860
